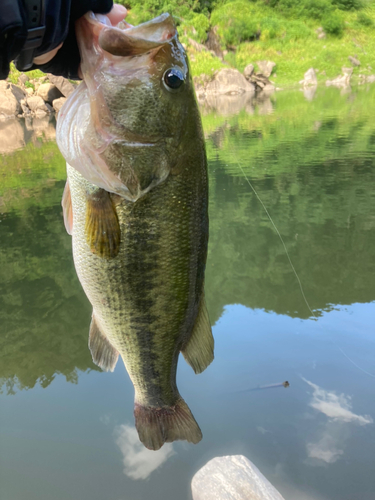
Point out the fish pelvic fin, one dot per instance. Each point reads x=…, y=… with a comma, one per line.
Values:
x=103, y=353
x=102, y=226
x=199, y=350
x=157, y=426
x=66, y=204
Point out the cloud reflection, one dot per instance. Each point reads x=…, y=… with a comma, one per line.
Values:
x=329, y=445
x=139, y=462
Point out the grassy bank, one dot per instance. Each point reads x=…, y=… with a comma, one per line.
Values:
x=284, y=31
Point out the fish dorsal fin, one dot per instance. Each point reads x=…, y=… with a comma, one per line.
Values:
x=102, y=227
x=199, y=350
x=66, y=204
x=102, y=351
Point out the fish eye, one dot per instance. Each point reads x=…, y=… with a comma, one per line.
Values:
x=173, y=79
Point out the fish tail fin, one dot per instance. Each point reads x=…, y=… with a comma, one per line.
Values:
x=157, y=426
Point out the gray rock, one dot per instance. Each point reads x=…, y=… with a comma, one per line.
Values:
x=64, y=85
x=347, y=71
x=321, y=35
x=354, y=61
x=370, y=79
x=266, y=67
x=36, y=103
x=341, y=80
x=232, y=478
x=309, y=78
x=25, y=108
x=9, y=100
x=17, y=92
x=229, y=81
x=29, y=91
x=248, y=71
x=40, y=113
x=22, y=79
x=198, y=46
x=58, y=103
x=49, y=92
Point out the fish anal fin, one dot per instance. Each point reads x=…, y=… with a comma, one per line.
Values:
x=102, y=226
x=199, y=350
x=103, y=353
x=157, y=426
x=66, y=204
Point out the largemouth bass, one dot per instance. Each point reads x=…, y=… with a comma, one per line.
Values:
x=136, y=205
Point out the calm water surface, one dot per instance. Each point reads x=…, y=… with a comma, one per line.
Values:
x=66, y=428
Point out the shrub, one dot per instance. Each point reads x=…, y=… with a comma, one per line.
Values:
x=333, y=25
x=196, y=27
x=316, y=9
x=363, y=19
x=237, y=22
x=348, y=4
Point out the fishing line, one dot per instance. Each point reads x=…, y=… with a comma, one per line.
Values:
x=295, y=272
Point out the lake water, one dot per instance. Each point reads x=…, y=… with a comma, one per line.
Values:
x=67, y=429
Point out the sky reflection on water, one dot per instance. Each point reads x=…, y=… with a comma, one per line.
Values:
x=67, y=429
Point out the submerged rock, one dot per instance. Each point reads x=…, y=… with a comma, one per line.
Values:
x=232, y=478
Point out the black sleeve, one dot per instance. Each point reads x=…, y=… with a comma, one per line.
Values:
x=60, y=16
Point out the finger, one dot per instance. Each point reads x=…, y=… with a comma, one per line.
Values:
x=117, y=14
x=45, y=58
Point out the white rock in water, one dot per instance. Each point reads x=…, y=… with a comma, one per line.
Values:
x=232, y=478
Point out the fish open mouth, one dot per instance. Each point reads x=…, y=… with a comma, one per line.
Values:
x=125, y=40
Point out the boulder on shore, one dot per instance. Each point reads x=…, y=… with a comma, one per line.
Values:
x=37, y=106
x=248, y=71
x=49, y=92
x=232, y=478
x=354, y=61
x=309, y=78
x=228, y=81
x=58, y=103
x=10, y=97
x=266, y=67
x=64, y=85
x=341, y=80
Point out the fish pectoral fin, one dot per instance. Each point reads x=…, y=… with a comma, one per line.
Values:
x=102, y=351
x=102, y=226
x=199, y=350
x=66, y=204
